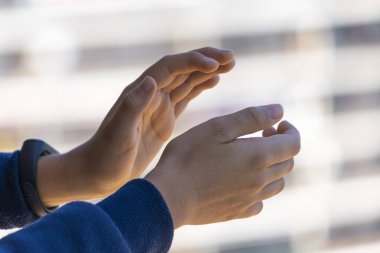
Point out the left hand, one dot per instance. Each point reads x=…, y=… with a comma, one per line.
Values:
x=140, y=122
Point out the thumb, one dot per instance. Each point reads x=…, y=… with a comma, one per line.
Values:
x=137, y=99
x=130, y=110
x=246, y=121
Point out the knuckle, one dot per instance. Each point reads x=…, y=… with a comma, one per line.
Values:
x=128, y=102
x=218, y=128
x=193, y=59
x=260, y=160
x=226, y=68
x=254, y=115
x=193, y=55
x=254, y=186
x=165, y=58
x=291, y=164
x=208, y=48
x=258, y=183
x=257, y=208
x=296, y=147
x=166, y=65
x=281, y=185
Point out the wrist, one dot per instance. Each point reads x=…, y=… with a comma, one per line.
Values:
x=31, y=152
x=100, y=167
x=65, y=178
x=173, y=196
x=50, y=182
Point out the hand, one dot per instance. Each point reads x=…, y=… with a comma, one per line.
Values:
x=209, y=174
x=140, y=122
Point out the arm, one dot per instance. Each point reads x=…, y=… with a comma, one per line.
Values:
x=127, y=140
x=135, y=219
x=194, y=176
x=139, y=123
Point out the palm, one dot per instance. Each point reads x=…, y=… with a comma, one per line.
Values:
x=157, y=127
x=174, y=92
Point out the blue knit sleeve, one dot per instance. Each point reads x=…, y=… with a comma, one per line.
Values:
x=13, y=208
x=134, y=219
x=147, y=225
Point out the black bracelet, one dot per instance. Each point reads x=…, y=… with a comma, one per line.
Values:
x=31, y=152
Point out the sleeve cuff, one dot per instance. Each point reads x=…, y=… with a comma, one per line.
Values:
x=142, y=216
x=14, y=211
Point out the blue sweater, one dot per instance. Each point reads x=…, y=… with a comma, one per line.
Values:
x=134, y=219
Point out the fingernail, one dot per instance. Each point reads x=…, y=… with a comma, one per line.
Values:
x=147, y=85
x=275, y=111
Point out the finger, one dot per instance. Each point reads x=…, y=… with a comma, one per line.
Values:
x=226, y=67
x=166, y=69
x=282, y=146
x=191, y=80
x=180, y=107
x=121, y=98
x=194, y=80
x=272, y=189
x=285, y=127
x=124, y=121
x=223, y=56
x=278, y=171
x=178, y=81
x=250, y=120
x=253, y=210
x=269, y=132
x=226, y=63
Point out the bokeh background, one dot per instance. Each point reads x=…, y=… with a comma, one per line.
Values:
x=63, y=63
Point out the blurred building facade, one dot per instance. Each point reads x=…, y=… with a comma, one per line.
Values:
x=64, y=63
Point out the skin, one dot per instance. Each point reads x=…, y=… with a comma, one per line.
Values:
x=134, y=130
x=209, y=174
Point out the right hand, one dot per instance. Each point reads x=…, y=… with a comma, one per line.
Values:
x=209, y=174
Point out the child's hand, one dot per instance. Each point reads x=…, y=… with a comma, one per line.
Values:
x=179, y=79
x=209, y=174
x=135, y=129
